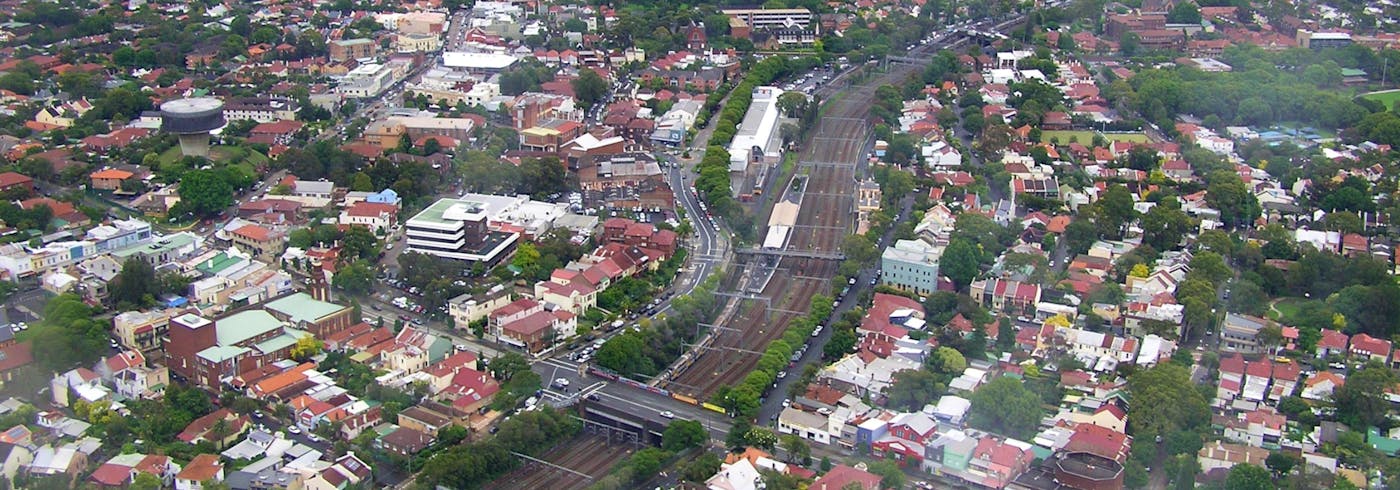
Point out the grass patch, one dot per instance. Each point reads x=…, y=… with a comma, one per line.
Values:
x=218, y=154
x=1286, y=308
x=1085, y=137
x=1385, y=97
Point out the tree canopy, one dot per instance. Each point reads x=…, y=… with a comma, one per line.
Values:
x=1005, y=406
x=1164, y=401
x=203, y=193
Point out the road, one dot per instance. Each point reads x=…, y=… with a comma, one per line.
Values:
x=618, y=395
x=768, y=413
x=709, y=246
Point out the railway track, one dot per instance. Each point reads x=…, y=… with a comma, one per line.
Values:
x=587, y=454
x=831, y=163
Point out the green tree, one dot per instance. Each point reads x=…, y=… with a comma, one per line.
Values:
x=1165, y=401
x=527, y=259
x=1184, y=442
x=356, y=278
x=891, y=476
x=797, y=450
x=624, y=355
x=859, y=249
x=1005, y=406
x=589, y=88
x=913, y=388
x=1184, y=13
x=204, y=194
x=1280, y=463
x=683, y=434
x=1129, y=44
x=735, y=440
x=792, y=104
x=960, y=262
x=361, y=182
x=1361, y=400
x=1209, y=266
x=306, y=347
x=146, y=481
x=1246, y=476
x=135, y=285
x=1164, y=225
x=946, y=361
x=843, y=340
x=358, y=242
x=1228, y=194
x=701, y=468
x=506, y=366
x=1134, y=473
x=1114, y=210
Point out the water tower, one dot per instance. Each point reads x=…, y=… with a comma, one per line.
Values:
x=192, y=119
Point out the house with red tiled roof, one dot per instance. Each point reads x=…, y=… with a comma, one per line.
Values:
x=61, y=210
x=891, y=310
x=1177, y=170
x=471, y=390
x=1231, y=376
x=346, y=471
x=998, y=461
x=643, y=235
x=1368, y=347
x=1055, y=120
x=539, y=330
x=440, y=373
x=275, y=133
x=12, y=180
x=1003, y=295
x=377, y=216
x=118, y=139
x=1285, y=379
x=575, y=296
x=204, y=428
x=842, y=477
x=512, y=311
x=110, y=179
x=1332, y=343
x=1321, y=385
x=1101, y=441
x=955, y=179
x=1257, y=376
x=1262, y=427
x=203, y=468
x=262, y=243
x=405, y=441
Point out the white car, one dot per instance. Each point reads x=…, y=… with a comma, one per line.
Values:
x=293, y=429
x=668, y=414
x=561, y=383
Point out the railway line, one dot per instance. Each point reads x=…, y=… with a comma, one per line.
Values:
x=591, y=455
x=831, y=164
